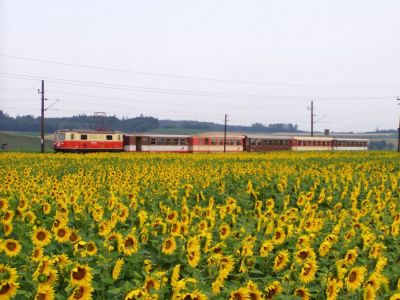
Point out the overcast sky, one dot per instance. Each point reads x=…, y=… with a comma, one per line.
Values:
x=257, y=61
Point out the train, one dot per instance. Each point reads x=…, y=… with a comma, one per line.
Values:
x=69, y=140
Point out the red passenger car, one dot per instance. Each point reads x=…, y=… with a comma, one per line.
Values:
x=214, y=142
x=69, y=140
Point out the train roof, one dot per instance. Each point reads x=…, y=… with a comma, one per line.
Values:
x=218, y=134
x=268, y=136
x=158, y=135
x=351, y=139
x=89, y=131
x=313, y=138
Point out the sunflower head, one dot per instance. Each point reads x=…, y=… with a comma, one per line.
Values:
x=81, y=275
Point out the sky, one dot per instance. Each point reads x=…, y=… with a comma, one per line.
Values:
x=256, y=61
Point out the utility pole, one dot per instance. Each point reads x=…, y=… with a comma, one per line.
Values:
x=226, y=119
x=42, y=121
x=312, y=117
x=398, y=132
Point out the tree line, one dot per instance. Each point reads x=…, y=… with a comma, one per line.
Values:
x=138, y=124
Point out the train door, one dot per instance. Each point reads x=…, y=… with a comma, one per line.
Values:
x=139, y=143
x=247, y=144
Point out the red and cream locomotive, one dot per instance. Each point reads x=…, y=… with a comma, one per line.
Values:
x=96, y=141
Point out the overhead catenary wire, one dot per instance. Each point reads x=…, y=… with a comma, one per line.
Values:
x=168, y=75
x=179, y=91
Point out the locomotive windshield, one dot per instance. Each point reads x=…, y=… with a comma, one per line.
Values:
x=59, y=136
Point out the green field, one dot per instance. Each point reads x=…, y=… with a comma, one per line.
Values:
x=20, y=142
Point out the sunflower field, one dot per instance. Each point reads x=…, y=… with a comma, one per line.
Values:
x=200, y=226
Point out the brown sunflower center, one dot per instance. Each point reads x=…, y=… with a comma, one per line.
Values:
x=5, y=288
x=41, y=235
x=129, y=243
x=303, y=254
x=11, y=246
x=300, y=293
x=168, y=244
x=73, y=237
x=79, y=274
x=277, y=235
x=352, y=276
x=306, y=270
x=90, y=247
x=41, y=296
x=223, y=231
x=79, y=292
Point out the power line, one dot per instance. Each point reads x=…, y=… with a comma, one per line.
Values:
x=178, y=91
x=167, y=75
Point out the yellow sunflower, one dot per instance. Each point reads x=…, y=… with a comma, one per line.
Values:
x=45, y=292
x=8, y=274
x=355, y=278
x=91, y=248
x=350, y=257
x=193, y=257
x=117, y=268
x=81, y=275
x=395, y=296
x=240, y=294
x=11, y=247
x=61, y=234
x=44, y=267
x=266, y=248
x=150, y=284
x=37, y=254
x=304, y=254
x=272, y=290
x=130, y=245
x=41, y=237
x=7, y=228
x=369, y=293
x=333, y=287
x=196, y=295
x=8, y=290
x=303, y=293
x=168, y=246
x=279, y=236
x=3, y=204
x=281, y=260
x=224, y=231
x=82, y=292
x=307, y=273
x=74, y=236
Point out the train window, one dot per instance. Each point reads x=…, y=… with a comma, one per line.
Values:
x=152, y=141
x=61, y=137
x=319, y=143
x=253, y=142
x=83, y=137
x=182, y=142
x=232, y=142
x=299, y=143
x=176, y=141
x=161, y=141
x=72, y=136
x=206, y=141
x=281, y=143
x=109, y=137
x=213, y=141
x=221, y=141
